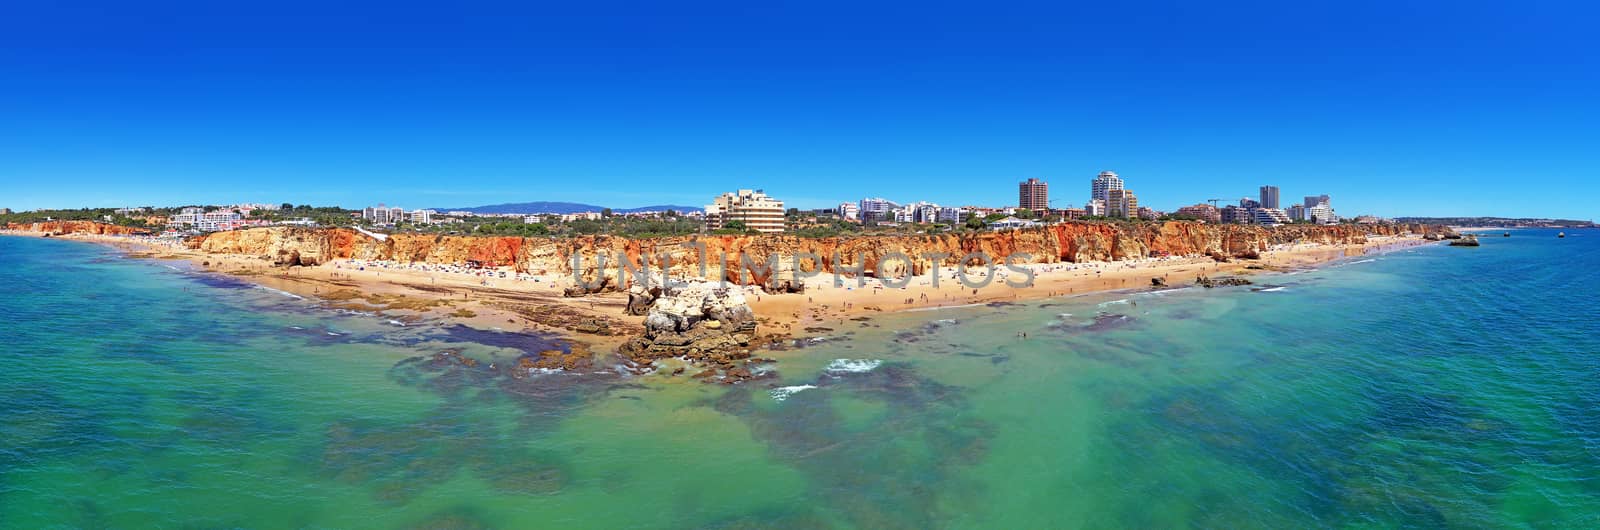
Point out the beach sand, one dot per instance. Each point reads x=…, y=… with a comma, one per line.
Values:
x=536, y=303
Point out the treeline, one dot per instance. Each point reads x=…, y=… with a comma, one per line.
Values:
x=102, y=215
x=322, y=215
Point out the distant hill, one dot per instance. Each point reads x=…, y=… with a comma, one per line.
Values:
x=1498, y=221
x=562, y=207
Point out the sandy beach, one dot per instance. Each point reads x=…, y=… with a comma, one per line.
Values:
x=502, y=299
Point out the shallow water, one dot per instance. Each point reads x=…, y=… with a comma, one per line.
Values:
x=1432, y=387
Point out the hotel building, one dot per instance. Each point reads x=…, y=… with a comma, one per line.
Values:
x=753, y=208
x=1033, y=194
x=1121, y=203
x=1203, y=212
x=1269, y=196
x=876, y=209
x=1100, y=188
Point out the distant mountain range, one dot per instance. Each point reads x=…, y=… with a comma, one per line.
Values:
x=563, y=207
x=1498, y=221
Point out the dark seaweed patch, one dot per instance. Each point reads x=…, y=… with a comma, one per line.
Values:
x=895, y=474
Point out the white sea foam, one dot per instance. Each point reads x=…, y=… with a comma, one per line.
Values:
x=296, y=327
x=941, y=308
x=1122, y=301
x=398, y=323
x=334, y=334
x=781, y=393
x=1272, y=289
x=285, y=293
x=852, y=365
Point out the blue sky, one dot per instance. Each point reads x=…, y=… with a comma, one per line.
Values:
x=1393, y=108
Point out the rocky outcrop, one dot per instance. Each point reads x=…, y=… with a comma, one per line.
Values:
x=1207, y=282
x=702, y=322
x=771, y=260
x=60, y=228
x=681, y=307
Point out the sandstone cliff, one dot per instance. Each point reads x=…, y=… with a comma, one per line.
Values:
x=723, y=255
x=75, y=227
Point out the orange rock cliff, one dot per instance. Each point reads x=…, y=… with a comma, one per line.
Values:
x=689, y=256
x=75, y=227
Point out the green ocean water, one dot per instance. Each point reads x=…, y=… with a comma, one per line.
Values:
x=1434, y=387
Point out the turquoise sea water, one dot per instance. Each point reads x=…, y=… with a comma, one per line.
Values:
x=1433, y=387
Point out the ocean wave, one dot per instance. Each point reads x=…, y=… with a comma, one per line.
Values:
x=852, y=365
x=397, y=323
x=285, y=293
x=1271, y=289
x=781, y=393
x=941, y=308
x=1113, y=302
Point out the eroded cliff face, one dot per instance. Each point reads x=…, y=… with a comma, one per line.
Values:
x=75, y=227
x=756, y=259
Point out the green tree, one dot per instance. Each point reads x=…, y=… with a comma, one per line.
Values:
x=605, y=212
x=734, y=225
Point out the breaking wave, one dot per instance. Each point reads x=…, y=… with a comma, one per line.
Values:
x=781, y=393
x=852, y=365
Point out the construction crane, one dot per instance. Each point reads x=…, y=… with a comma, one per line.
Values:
x=1213, y=202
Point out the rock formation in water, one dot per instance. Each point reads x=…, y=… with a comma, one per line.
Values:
x=702, y=322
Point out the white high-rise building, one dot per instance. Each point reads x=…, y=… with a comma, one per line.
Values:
x=876, y=208
x=1100, y=188
x=849, y=211
x=382, y=215
x=1095, y=208
x=1322, y=214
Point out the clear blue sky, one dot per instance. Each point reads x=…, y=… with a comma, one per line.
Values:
x=1394, y=107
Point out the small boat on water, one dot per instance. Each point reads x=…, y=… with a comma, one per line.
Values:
x=1507, y=234
x=1561, y=234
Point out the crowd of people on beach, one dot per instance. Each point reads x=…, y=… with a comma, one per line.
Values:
x=482, y=274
